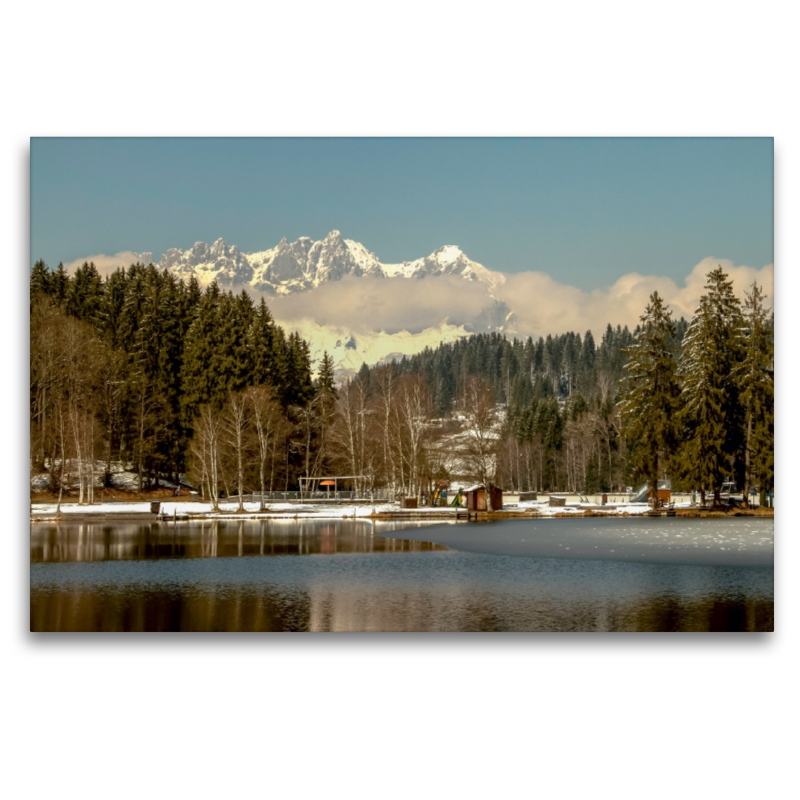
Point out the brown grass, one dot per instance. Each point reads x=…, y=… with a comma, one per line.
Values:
x=119, y=495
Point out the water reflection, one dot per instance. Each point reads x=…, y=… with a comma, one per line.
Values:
x=233, y=576
x=212, y=539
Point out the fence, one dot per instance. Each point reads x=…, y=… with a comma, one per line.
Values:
x=382, y=496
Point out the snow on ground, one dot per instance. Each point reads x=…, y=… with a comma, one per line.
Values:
x=122, y=476
x=544, y=508
x=40, y=483
x=228, y=510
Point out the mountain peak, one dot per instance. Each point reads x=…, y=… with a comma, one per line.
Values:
x=304, y=264
x=448, y=254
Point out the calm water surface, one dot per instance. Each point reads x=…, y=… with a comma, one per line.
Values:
x=512, y=575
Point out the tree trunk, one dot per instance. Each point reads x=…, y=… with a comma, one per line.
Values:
x=240, y=469
x=655, y=484
x=261, y=477
x=746, y=489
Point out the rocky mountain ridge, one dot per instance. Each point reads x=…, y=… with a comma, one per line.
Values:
x=305, y=264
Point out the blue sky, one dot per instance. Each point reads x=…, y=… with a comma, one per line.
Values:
x=585, y=211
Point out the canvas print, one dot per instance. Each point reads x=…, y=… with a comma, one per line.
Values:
x=401, y=384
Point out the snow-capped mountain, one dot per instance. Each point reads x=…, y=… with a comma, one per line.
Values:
x=355, y=322
x=305, y=264
x=217, y=262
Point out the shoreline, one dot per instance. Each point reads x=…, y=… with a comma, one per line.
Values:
x=106, y=513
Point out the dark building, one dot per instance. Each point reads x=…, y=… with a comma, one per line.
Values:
x=476, y=498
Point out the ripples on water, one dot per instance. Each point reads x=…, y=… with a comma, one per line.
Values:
x=236, y=576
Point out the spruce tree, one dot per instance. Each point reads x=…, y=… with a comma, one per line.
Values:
x=588, y=352
x=298, y=389
x=325, y=384
x=111, y=307
x=325, y=407
x=84, y=293
x=199, y=379
x=40, y=281
x=712, y=423
x=60, y=283
x=261, y=341
x=363, y=373
x=651, y=394
x=754, y=378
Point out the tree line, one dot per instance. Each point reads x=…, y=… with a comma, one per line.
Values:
x=692, y=401
x=126, y=368
x=145, y=369
x=704, y=414
x=562, y=426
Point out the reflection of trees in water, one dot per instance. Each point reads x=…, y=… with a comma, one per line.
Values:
x=212, y=609
x=208, y=539
x=467, y=610
x=326, y=608
x=420, y=594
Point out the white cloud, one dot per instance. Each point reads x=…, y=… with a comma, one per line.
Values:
x=385, y=304
x=540, y=304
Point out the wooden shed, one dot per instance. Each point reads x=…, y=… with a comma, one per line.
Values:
x=664, y=496
x=476, y=498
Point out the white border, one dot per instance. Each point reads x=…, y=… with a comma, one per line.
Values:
x=567, y=716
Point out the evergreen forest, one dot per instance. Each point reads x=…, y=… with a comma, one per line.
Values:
x=179, y=383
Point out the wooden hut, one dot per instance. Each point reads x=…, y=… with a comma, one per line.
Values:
x=476, y=498
x=664, y=496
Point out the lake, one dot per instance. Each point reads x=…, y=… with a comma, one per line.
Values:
x=630, y=574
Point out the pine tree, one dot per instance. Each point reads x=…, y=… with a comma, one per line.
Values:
x=550, y=427
x=363, y=374
x=262, y=347
x=84, y=293
x=111, y=307
x=712, y=425
x=199, y=379
x=298, y=388
x=651, y=394
x=280, y=366
x=588, y=352
x=40, y=281
x=324, y=407
x=754, y=378
x=325, y=385
x=60, y=283
x=233, y=358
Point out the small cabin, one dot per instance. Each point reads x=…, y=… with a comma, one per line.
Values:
x=476, y=498
x=664, y=496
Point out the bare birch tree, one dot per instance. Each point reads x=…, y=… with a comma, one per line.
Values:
x=353, y=433
x=235, y=426
x=205, y=448
x=415, y=411
x=269, y=422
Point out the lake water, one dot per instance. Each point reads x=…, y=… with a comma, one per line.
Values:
x=663, y=574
